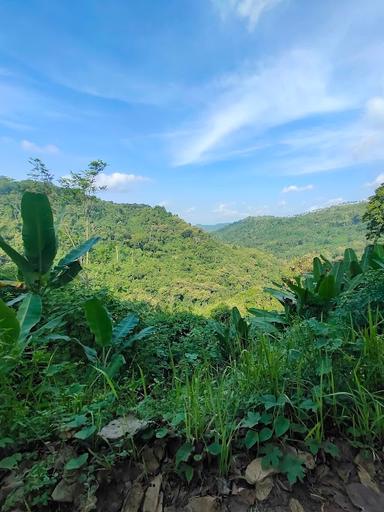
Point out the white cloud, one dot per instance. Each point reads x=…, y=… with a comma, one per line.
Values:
x=375, y=110
x=297, y=188
x=331, y=202
x=31, y=147
x=118, y=181
x=291, y=87
x=226, y=210
x=248, y=10
x=379, y=180
x=234, y=211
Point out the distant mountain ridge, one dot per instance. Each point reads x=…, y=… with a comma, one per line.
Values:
x=329, y=230
x=148, y=254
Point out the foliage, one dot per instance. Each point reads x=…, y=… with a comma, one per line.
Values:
x=272, y=385
x=315, y=293
x=146, y=246
x=374, y=215
x=40, y=173
x=35, y=267
x=330, y=229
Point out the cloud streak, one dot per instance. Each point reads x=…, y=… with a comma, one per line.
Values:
x=296, y=188
x=248, y=10
x=293, y=87
x=31, y=147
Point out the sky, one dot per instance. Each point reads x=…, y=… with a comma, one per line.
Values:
x=214, y=109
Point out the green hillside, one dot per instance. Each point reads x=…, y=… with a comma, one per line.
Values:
x=332, y=229
x=150, y=255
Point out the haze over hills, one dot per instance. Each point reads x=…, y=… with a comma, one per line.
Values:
x=331, y=229
x=148, y=254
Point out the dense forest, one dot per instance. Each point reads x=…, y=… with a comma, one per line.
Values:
x=332, y=229
x=131, y=381
x=163, y=260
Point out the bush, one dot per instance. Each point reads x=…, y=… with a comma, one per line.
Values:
x=354, y=304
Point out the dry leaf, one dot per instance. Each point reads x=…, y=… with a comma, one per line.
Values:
x=133, y=499
x=255, y=472
x=365, y=479
x=264, y=488
x=307, y=459
x=295, y=505
x=202, y=504
x=365, y=498
x=153, y=499
x=126, y=425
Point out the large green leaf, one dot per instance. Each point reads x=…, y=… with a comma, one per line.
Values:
x=99, y=322
x=9, y=325
x=29, y=314
x=25, y=268
x=125, y=327
x=144, y=333
x=79, y=251
x=317, y=268
x=327, y=289
x=38, y=232
x=65, y=275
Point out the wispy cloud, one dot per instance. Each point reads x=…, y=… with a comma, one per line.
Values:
x=255, y=100
x=248, y=10
x=379, y=180
x=118, y=181
x=234, y=211
x=330, y=202
x=297, y=188
x=31, y=147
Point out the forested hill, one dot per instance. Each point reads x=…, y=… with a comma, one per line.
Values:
x=148, y=254
x=330, y=229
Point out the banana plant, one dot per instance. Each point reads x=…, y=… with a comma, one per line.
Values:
x=36, y=271
x=314, y=293
x=111, y=340
x=15, y=329
x=233, y=335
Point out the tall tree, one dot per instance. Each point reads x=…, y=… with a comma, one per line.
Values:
x=85, y=184
x=41, y=173
x=374, y=215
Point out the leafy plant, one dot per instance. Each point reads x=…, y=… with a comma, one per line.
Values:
x=35, y=267
x=315, y=293
x=111, y=341
x=233, y=335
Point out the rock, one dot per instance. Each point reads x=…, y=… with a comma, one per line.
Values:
x=153, y=501
x=255, y=472
x=125, y=426
x=295, y=505
x=365, y=498
x=133, y=499
x=202, y=504
x=65, y=492
x=264, y=488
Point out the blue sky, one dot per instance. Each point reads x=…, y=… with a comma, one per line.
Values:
x=216, y=109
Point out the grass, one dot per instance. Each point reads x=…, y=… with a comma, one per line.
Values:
x=219, y=388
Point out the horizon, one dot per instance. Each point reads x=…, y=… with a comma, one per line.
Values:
x=198, y=224
x=216, y=110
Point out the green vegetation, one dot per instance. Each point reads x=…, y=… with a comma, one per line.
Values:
x=329, y=230
x=147, y=254
x=374, y=215
x=96, y=384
